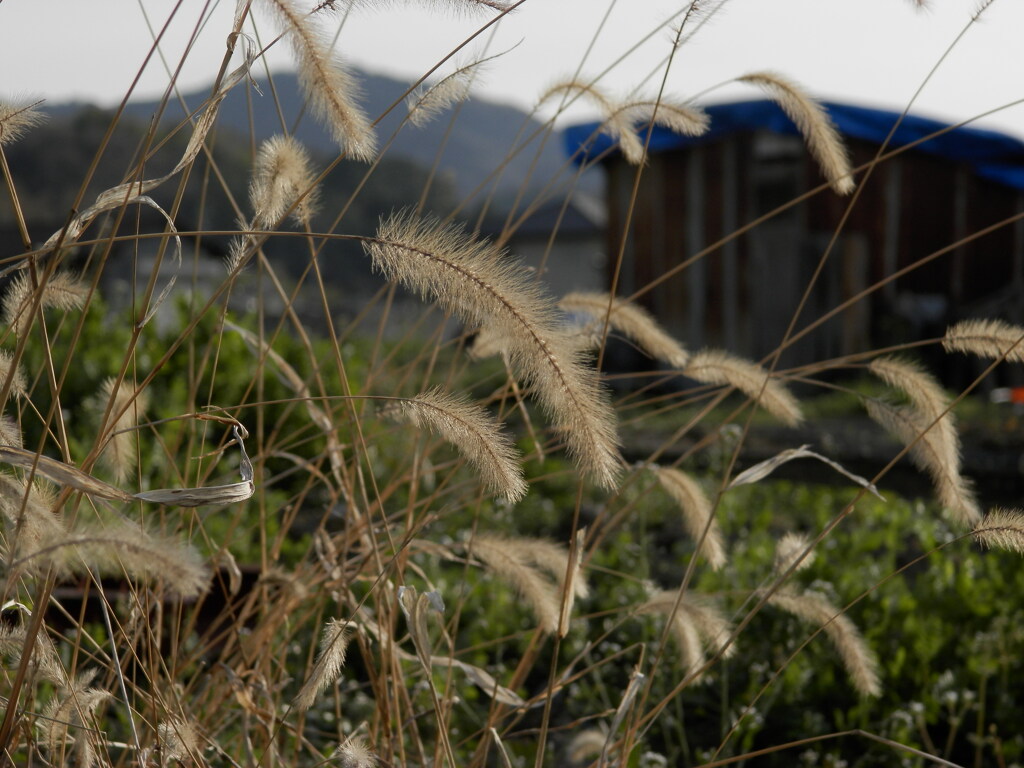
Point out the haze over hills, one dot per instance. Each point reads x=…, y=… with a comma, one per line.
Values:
x=471, y=146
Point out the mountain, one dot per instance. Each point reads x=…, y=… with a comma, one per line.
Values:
x=471, y=145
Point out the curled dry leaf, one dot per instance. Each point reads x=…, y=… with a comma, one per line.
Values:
x=72, y=477
x=764, y=468
x=214, y=494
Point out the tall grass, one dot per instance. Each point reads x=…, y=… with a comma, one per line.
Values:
x=251, y=520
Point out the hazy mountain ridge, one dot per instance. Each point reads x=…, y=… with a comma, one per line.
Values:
x=474, y=145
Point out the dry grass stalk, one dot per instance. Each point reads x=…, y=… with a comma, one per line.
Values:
x=697, y=513
x=474, y=280
x=696, y=625
x=512, y=561
x=64, y=291
x=813, y=122
x=1002, y=529
x=354, y=753
x=297, y=383
x=715, y=366
x=986, y=338
x=329, y=88
x=933, y=452
x=474, y=432
x=16, y=120
x=789, y=548
x=860, y=662
x=333, y=646
x=120, y=454
x=282, y=174
x=12, y=371
x=122, y=547
x=630, y=319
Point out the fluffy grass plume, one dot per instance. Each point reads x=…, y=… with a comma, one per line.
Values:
x=120, y=455
x=715, y=366
x=43, y=654
x=696, y=625
x=511, y=560
x=10, y=433
x=426, y=104
x=70, y=715
x=30, y=511
x=1002, y=529
x=475, y=434
x=64, y=291
x=16, y=120
x=122, y=547
x=629, y=319
x=986, y=338
x=586, y=745
x=333, y=646
x=920, y=386
x=178, y=740
x=616, y=120
x=927, y=398
x=10, y=370
x=697, y=512
x=329, y=88
x=814, y=124
x=932, y=452
x=354, y=753
x=860, y=662
x=789, y=548
x=283, y=172
x=687, y=121
x=476, y=281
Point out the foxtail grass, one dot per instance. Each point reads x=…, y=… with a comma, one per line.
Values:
x=477, y=282
x=814, y=124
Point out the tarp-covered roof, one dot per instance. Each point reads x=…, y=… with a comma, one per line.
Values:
x=990, y=154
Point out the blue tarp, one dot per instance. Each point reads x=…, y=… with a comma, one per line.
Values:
x=990, y=154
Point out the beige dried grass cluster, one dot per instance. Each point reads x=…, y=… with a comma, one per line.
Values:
x=477, y=281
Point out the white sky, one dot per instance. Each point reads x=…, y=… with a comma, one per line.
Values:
x=871, y=52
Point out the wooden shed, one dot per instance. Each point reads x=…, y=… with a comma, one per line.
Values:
x=741, y=292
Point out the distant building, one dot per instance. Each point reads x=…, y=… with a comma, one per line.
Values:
x=741, y=296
